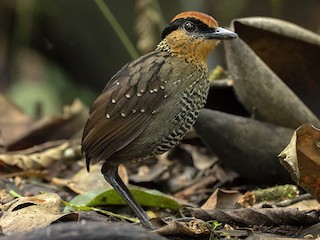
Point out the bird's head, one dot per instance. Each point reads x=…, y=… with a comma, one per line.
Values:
x=192, y=35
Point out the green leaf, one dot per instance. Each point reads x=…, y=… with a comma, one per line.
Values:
x=150, y=198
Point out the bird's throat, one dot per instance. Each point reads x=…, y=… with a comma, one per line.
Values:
x=193, y=50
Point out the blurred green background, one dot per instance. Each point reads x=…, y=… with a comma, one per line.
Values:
x=53, y=51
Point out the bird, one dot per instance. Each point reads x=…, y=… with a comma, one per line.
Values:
x=148, y=106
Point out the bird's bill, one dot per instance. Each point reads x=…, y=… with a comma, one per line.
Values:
x=220, y=33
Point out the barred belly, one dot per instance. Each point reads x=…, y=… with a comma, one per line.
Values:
x=193, y=100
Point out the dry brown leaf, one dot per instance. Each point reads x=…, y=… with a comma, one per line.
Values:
x=310, y=204
x=200, y=157
x=223, y=199
x=42, y=156
x=301, y=158
x=256, y=216
x=194, y=228
x=26, y=213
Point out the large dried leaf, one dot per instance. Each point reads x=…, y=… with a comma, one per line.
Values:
x=261, y=91
x=42, y=156
x=292, y=52
x=302, y=158
x=222, y=199
x=26, y=213
x=257, y=216
x=247, y=146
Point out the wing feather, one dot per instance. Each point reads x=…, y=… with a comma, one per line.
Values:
x=124, y=108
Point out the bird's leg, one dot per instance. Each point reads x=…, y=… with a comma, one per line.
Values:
x=110, y=173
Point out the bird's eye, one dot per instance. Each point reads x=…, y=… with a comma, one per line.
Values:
x=190, y=27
